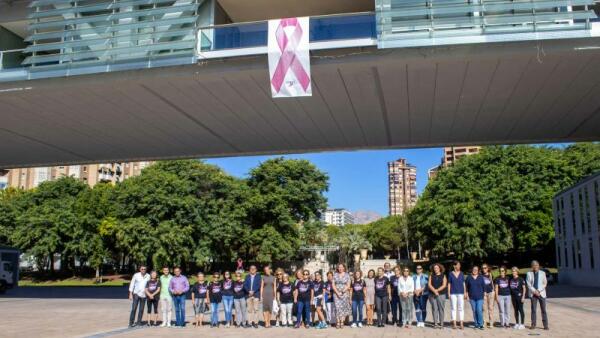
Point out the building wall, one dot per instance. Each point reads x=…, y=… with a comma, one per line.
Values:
x=451, y=154
x=577, y=232
x=92, y=174
x=402, y=186
x=339, y=217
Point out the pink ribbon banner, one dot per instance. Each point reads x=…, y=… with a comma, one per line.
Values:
x=289, y=57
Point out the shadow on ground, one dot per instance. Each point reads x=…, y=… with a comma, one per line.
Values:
x=120, y=292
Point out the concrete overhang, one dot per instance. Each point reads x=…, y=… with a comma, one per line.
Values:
x=363, y=98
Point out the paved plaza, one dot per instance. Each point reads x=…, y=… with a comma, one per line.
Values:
x=99, y=312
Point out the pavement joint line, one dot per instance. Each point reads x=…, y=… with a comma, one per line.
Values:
x=114, y=332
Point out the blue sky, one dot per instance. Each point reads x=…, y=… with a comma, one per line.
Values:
x=357, y=179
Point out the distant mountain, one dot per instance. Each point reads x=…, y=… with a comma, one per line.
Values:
x=365, y=216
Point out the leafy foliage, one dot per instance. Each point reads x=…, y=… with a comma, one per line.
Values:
x=500, y=200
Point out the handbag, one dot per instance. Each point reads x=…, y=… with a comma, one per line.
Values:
x=275, y=306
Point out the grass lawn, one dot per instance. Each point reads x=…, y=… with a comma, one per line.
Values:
x=73, y=282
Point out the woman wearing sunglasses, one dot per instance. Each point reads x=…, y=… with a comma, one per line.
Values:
x=503, y=295
x=489, y=296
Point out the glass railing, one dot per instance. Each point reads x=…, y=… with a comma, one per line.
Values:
x=254, y=34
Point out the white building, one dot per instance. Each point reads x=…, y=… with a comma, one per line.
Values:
x=577, y=230
x=339, y=217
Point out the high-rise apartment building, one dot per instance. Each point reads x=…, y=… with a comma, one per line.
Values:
x=29, y=178
x=451, y=154
x=402, y=181
x=339, y=217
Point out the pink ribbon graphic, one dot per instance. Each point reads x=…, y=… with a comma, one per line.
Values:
x=288, y=59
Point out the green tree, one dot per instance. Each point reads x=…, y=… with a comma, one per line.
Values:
x=48, y=222
x=498, y=201
x=388, y=235
x=284, y=193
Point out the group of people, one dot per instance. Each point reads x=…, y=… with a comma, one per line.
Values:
x=340, y=297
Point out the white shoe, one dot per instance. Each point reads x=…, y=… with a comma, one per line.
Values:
x=360, y=325
x=353, y=325
x=168, y=324
x=163, y=324
x=227, y=326
x=276, y=324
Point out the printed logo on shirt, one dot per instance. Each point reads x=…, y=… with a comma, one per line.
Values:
x=303, y=287
x=514, y=284
x=486, y=280
x=380, y=284
x=216, y=288
x=395, y=282
x=503, y=283
x=286, y=289
x=227, y=284
x=317, y=287
x=358, y=286
x=238, y=287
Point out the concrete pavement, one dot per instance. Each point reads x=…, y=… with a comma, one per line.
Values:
x=26, y=312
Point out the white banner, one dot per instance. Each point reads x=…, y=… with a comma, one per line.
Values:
x=289, y=57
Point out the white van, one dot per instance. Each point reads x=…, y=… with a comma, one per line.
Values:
x=9, y=268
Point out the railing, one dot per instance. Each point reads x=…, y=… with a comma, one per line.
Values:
x=254, y=34
x=407, y=23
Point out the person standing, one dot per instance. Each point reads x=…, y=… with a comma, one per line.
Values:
x=475, y=286
x=179, y=286
x=421, y=281
x=406, y=291
x=387, y=270
x=456, y=292
x=503, y=296
x=331, y=317
x=437, y=297
x=137, y=294
x=382, y=297
x=152, y=298
x=200, y=298
x=395, y=304
x=252, y=284
x=318, y=289
x=267, y=294
x=278, y=280
x=536, y=286
x=227, y=297
x=370, y=296
x=489, y=296
x=517, y=294
x=358, y=290
x=166, y=300
x=341, y=289
x=215, y=295
x=239, y=300
x=285, y=297
x=303, y=297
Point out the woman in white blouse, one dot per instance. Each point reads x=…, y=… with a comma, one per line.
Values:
x=406, y=290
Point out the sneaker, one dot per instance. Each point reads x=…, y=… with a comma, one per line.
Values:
x=360, y=325
x=353, y=325
x=163, y=324
x=227, y=326
x=276, y=324
x=168, y=324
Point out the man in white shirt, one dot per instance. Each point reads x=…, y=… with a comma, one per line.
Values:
x=536, y=287
x=137, y=294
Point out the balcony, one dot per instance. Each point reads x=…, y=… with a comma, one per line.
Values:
x=325, y=32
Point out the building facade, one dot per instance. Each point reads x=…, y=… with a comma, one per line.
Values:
x=402, y=183
x=577, y=232
x=339, y=217
x=3, y=179
x=92, y=174
x=451, y=154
